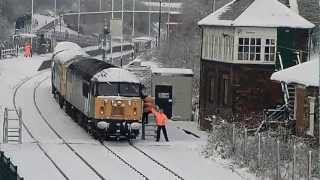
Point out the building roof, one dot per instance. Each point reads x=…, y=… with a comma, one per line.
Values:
x=255, y=13
x=305, y=74
x=310, y=9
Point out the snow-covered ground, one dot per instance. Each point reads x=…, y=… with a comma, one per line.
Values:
x=77, y=154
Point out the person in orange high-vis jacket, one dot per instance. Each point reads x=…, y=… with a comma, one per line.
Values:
x=27, y=50
x=161, y=120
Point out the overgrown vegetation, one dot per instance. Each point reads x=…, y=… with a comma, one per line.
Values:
x=268, y=155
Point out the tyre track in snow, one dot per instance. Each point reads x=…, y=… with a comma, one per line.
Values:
x=58, y=135
x=19, y=85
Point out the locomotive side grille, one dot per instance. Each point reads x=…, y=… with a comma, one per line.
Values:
x=117, y=111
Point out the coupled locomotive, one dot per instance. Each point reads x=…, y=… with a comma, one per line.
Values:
x=104, y=99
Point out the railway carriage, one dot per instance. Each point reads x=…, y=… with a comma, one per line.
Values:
x=103, y=98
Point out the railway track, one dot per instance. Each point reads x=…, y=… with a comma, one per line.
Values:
x=58, y=135
x=19, y=85
x=72, y=149
x=125, y=162
x=157, y=162
x=109, y=149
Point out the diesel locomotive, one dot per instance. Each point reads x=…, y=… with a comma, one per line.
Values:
x=102, y=98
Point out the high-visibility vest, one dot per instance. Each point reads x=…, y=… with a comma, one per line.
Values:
x=161, y=118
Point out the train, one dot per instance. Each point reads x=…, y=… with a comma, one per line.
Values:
x=104, y=99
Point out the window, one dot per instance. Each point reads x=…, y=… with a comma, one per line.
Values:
x=211, y=89
x=249, y=49
x=108, y=89
x=270, y=50
x=129, y=89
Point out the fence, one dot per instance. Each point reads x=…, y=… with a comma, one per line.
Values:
x=8, y=171
x=5, y=53
x=270, y=155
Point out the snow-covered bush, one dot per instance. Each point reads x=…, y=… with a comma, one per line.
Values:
x=274, y=159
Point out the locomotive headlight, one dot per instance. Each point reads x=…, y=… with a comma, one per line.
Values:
x=134, y=111
x=119, y=102
x=101, y=110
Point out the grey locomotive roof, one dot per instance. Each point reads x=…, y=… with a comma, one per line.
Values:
x=88, y=67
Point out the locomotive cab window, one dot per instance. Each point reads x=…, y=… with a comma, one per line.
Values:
x=107, y=89
x=121, y=89
x=129, y=89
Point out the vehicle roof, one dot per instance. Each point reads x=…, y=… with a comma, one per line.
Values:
x=88, y=67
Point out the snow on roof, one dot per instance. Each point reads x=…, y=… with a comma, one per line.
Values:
x=306, y=74
x=41, y=20
x=164, y=4
x=115, y=75
x=66, y=55
x=256, y=13
x=65, y=51
x=27, y=35
x=172, y=7
x=61, y=46
x=172, y=71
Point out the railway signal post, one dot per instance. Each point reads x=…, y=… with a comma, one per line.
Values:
x=106, y=32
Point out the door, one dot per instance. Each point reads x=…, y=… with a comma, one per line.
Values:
x=164, y=99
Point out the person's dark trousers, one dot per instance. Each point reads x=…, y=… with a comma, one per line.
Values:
x=164, y=130
x=145, y=117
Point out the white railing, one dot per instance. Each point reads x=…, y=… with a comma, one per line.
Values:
x=5, y=53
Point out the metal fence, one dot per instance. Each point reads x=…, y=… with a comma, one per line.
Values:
x=269, y=155
x=6, y=53
x=8, y=171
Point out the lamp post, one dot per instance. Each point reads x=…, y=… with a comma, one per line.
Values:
x=159, y=27
x=213, y=5
x=149, y=14
x=79, y=18
x=31, y=27
x=133, y=9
